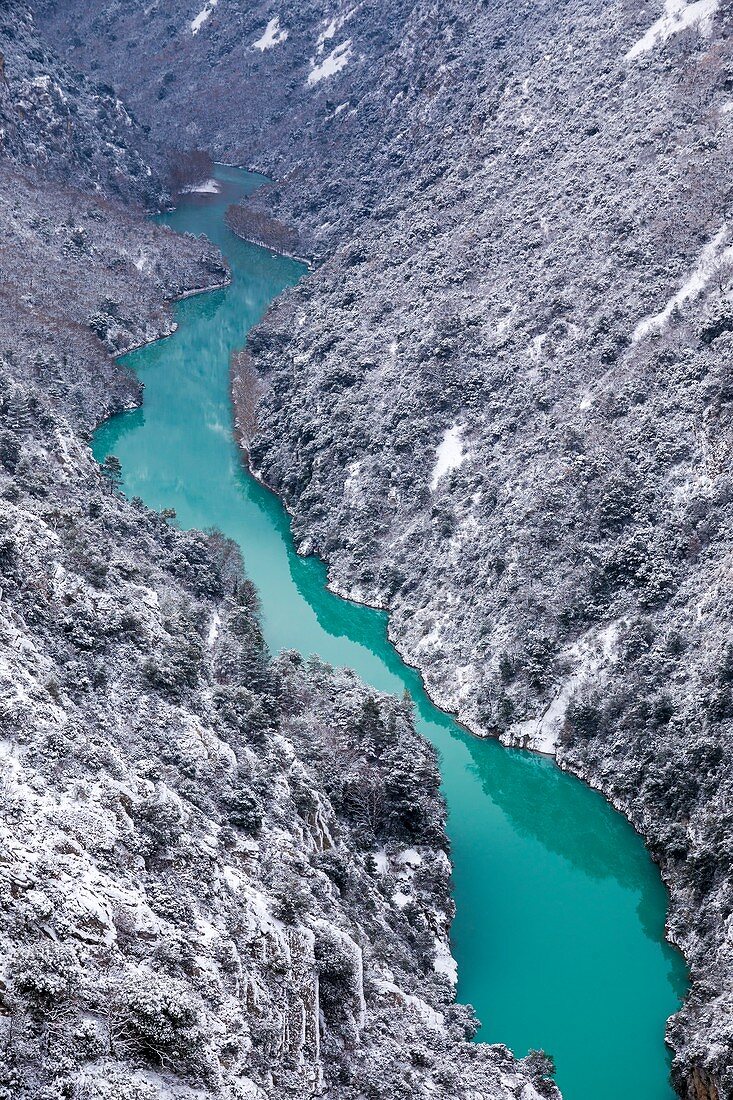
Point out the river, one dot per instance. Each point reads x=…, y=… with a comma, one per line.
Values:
x=559, y=928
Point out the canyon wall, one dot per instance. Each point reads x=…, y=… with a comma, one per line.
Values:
x=198, y=886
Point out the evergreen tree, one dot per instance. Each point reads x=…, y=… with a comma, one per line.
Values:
x=112, y=469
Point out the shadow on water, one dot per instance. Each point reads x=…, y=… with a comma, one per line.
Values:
x=559, y=928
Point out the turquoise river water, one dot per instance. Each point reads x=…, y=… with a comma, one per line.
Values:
x=559, y=932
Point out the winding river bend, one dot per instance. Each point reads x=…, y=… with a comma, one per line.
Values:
x=559, y=932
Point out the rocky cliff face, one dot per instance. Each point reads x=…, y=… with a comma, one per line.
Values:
x=202, y=849
x=521, y=214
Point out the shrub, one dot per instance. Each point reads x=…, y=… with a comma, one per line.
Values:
x=47, y=974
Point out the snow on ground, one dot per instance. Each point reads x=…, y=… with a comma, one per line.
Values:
x=506, y=321
x=214, y=628
x=232, y=878
x=273, y=36
x=203, y=15
x=431, y=1017
x=519, y=1086
x=332, y=26
x=337, y=60
x=535, y=348
x=678, y=16
x=382, y=861
x=400, y=899
x=466, y=533
x=107, y=1081
x=353, y=482
x=449, y=455
x=444, y=963
x=69, y=449
x=208, y=187
x=410, y=857
x=712, y=258
x=590, y=658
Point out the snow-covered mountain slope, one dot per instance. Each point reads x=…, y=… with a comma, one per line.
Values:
x=198, y=878
x=522, y=219
x=64, y=126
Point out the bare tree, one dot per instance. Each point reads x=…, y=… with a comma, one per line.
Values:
x=368, y=798
x=247, y=389
x=186, y=168
x=259, y=228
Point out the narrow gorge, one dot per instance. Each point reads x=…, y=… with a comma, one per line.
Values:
x=555, y=896
x=496, y=408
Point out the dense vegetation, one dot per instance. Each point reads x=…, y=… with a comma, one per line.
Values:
x=200, y=844
x=522, y=219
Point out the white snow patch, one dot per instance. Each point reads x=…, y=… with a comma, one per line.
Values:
x=337, y=60
x=401, y=899
x=678, y=16
x=382, y=861
x=410, y=857
x=273, y=36
x=464, y=679
x=586, y=402
x=208, y=187
x=327, y=35
x=352, y=481
x=332, y=26
x=231, y=878
x=535, y=348
x=449, y=455
x=712, y=259
x=444, y=963
x=214, y=627
x=203, y=15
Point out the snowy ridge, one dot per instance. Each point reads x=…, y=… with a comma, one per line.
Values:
x=679, y=15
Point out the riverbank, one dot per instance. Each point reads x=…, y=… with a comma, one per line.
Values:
x=520, y=829
x=177, y=451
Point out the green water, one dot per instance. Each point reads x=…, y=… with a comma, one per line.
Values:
x=560, y=912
